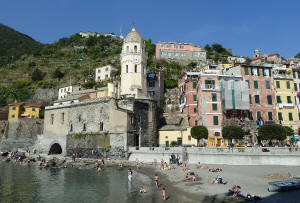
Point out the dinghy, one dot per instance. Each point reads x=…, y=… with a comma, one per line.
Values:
x=279, y=186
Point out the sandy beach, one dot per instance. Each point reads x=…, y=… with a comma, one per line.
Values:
x=252, y=179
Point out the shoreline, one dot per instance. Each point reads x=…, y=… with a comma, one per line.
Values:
x=252, y=179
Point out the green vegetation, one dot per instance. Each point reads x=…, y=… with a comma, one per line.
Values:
x=15, y=44
x=170, y=83
x=217, y=53
x=199, y=132
x=232, y=132
x=274, y=132
x=174, y=144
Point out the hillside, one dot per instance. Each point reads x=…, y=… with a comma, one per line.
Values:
x=69, y=60
x=15, y=44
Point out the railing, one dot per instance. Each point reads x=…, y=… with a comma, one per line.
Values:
x=220, y=150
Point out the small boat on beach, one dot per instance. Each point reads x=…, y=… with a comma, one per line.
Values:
x=280, y=186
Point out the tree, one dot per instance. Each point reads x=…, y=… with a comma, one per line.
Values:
x=37, y=75
x=289, y=131
x=233, y=132
x=58, y=74
x=192, y=65
x=272, y=132
x=199, y=132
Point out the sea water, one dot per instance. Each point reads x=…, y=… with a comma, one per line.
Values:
x=32, y=184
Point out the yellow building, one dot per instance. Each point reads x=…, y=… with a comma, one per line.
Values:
x=285, y=104
x=182, y=137
x=14, y=111
x=22, y=110
x=31, y=111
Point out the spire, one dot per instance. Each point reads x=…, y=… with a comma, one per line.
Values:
x=133, y=28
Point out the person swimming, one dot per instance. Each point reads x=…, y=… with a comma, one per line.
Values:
x=164, y=194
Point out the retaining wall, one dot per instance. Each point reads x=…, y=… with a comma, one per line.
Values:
x=236, y=156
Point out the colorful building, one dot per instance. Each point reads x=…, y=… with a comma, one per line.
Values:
x=286, y=109
x=181, y=52
x=22, y=111
x=15, y=110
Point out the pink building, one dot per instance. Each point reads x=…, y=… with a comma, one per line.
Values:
x=200, y=99
x=180, y=52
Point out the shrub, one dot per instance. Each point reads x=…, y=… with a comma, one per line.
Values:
x=272, y=132
x=37, y=75
x=170, y=83
x=174, y=144
x=232, y=132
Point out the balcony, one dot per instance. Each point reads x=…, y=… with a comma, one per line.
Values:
x=286, y=105
x=210, y=87
x=284, y=76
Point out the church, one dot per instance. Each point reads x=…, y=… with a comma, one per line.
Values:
x=126, y=117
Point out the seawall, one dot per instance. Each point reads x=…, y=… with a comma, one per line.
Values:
x=236, y=156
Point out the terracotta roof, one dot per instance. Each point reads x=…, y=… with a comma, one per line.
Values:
x=17, y=104
x=33, y=105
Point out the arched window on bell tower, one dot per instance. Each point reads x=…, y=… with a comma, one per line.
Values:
x=126, y=68
x=135, y=68
x=135, y=48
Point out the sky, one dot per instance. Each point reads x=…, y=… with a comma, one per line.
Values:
x=272, y=26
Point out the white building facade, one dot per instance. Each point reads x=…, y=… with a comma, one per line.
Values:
x=63, y=92
x=104, y=73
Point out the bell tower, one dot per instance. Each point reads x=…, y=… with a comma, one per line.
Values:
x=133, y=66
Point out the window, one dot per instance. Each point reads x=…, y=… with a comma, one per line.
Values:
x=194, y=84
x=280, y=116
x=13, y=108
x=277, y=84
x=209, y=84
x=257, y=99
x=195, y=110
x=135, y=68
x=294, y=74
x=214, y=97
x=176, y=54
x=214, y=107
x=251, y=115
x=126, y=68
x=84, y=127
x=295, y=87
x=195, y=97
x=184, y=87
x=255, y=84
x=135, y=48
x=270, y=116
x=175, y=46
x=62, y=118
x=99, y=78
x=169, y=45
x=106, y=76
x=181, y=47
x=278, y=99
x=258, y=115
x=101, y=126
x=217, y=134
x=151, y=84
x=169, y=53
x=196, y=123
x=190, y=138
x=52, y=119
x=289, y=99
x=182, y=54
x=99, y=71
x=127, y=48
x=71, y=128
x=288, y=86
x=246, y=71
x=266, y=72
x=163, y=53
x=267, y=84
x=250, y=100
x=196, y=54
x=79, y=118
x=269, y=98
x=290, y=116
x=298, y=75
x=216, y=120
x=33, y=109
x=255, y=71
x=13, y=115
x=248, y=83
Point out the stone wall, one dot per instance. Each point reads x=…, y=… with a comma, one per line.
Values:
x=237, y=156
x=20, y=134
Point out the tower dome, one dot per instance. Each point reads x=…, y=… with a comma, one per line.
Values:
x=133, y=36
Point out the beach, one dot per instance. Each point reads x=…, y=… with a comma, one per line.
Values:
x=252, y=179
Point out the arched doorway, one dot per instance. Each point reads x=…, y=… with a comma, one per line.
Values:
x=55, y=149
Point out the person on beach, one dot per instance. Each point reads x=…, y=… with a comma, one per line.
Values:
x=142, y=190
x=164, y=194
x=198, y=165
x=156, y=180
x=99, y=169
x=155, y=163
x=130, y=175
